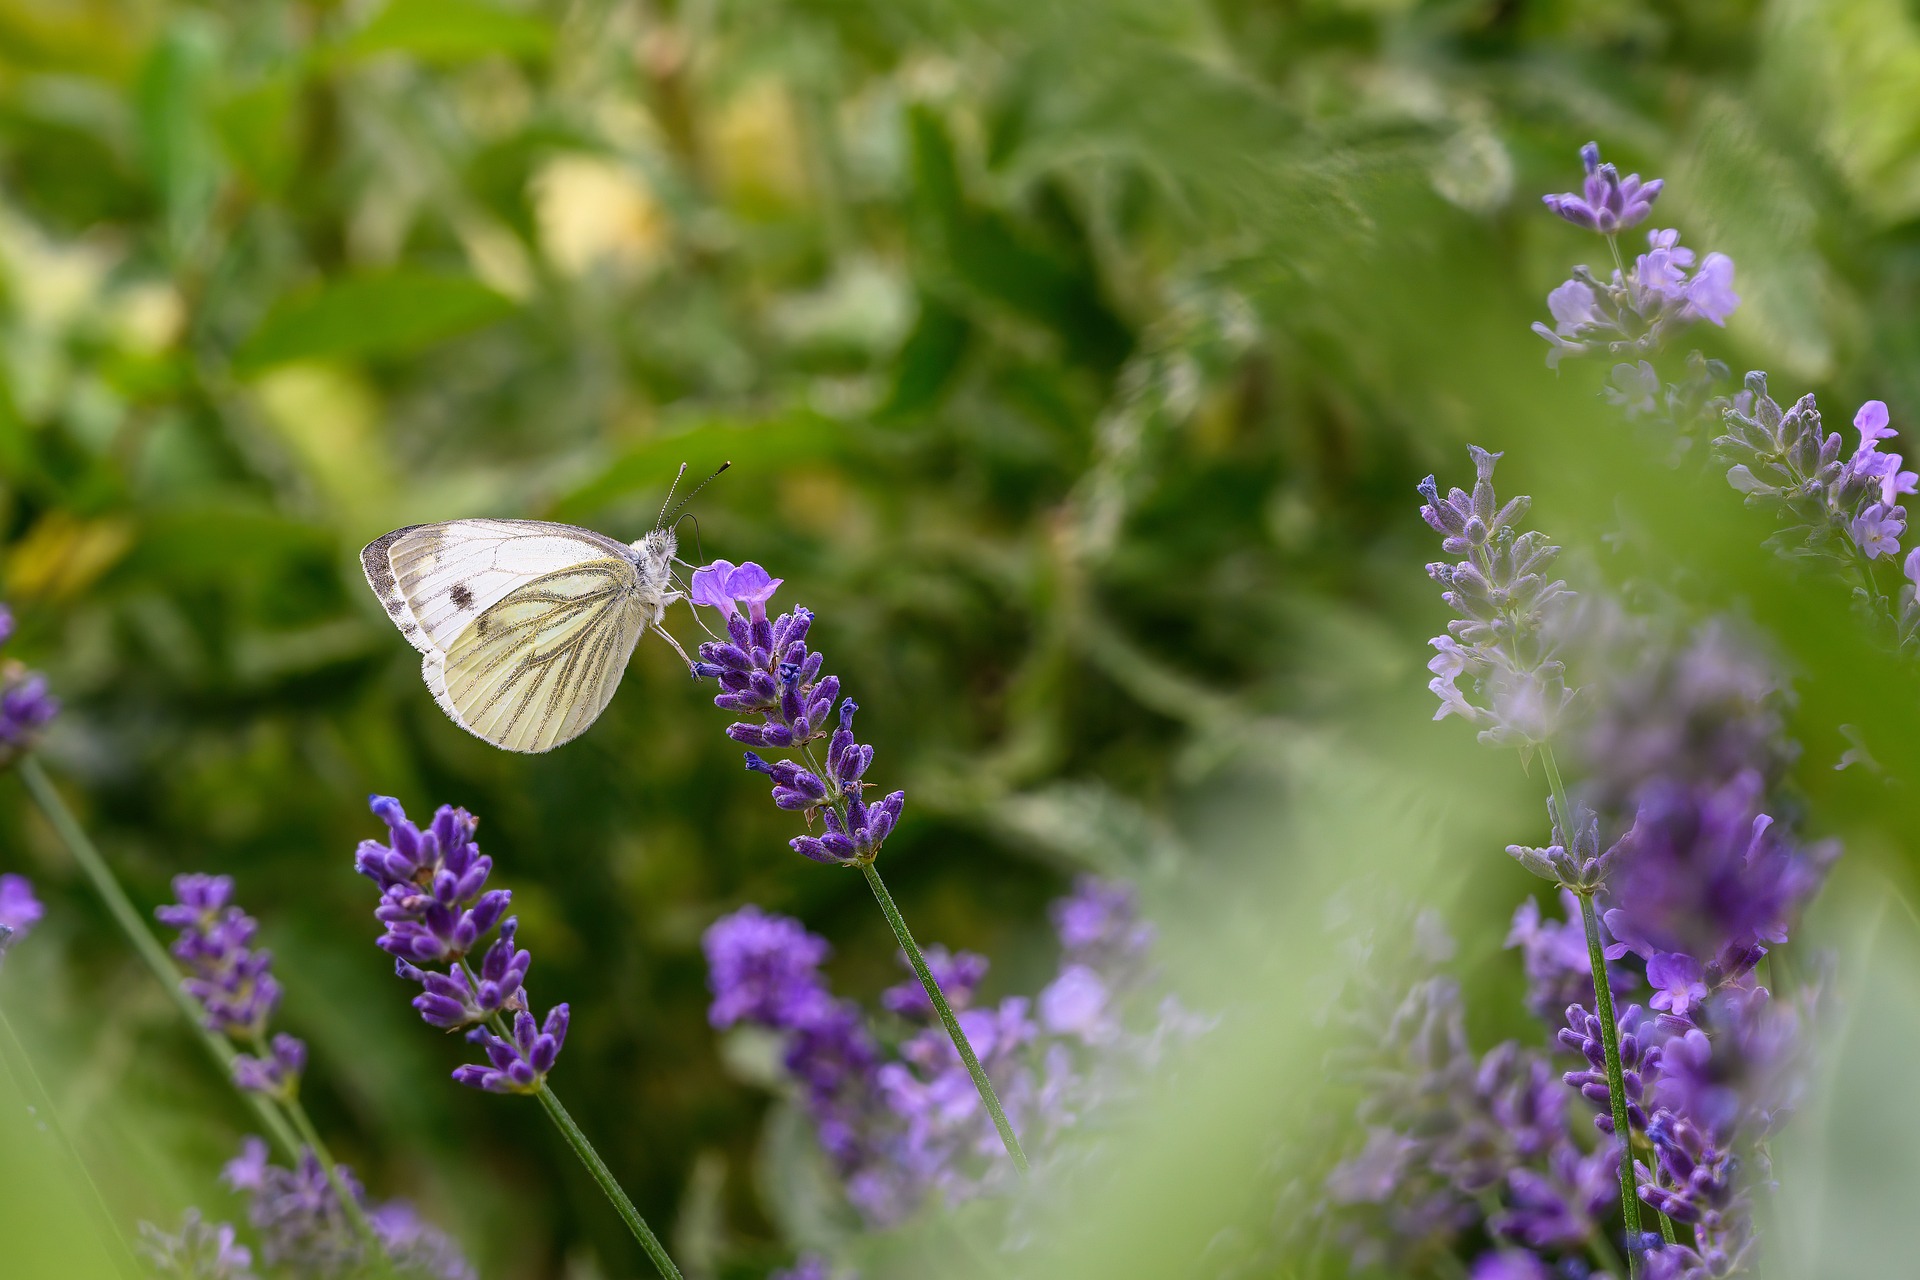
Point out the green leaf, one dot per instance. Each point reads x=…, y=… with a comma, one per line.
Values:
x=451, y=31
x=393, y=313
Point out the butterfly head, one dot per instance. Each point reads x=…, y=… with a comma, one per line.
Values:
x=656, y=548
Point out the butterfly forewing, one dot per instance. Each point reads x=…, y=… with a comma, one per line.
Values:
x=537, y=667
x=435, y=579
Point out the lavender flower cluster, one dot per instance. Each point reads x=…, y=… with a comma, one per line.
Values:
x=233, y=982
x=437, y=910
x=1831, y=505
x=1508, y=636
x=1633, y=310
x=905, y=1125
x=26, y=705
x=304, y=1228
x=19, y=911
x=765, y=668
x=1698, y=880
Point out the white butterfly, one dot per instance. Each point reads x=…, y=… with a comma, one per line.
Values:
x=525, y=626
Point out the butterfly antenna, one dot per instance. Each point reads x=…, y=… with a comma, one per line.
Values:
x=662, y=518
x=694, y=492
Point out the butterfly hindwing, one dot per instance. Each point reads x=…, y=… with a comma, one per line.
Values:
x=434, y=580
x=539, y=665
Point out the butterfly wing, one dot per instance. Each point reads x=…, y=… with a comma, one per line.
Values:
x=541, y=665
x=525, y=627
x=435, y=579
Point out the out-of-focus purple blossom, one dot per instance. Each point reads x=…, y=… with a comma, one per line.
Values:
x=764, y=969
x=19, y=909
x=903, y=1126
x=1634, y=388
x=1677, y=980
x=199, y=1250
x=765, y=668
x=811, y=1266
x=232, y=980
x=1506, y=640
x=1098, y=924
x=1555, y=958
x=1701, y=707
x=436, y=910
x=958, y=975
x=26, y=705
x=1606, y=202
x=1510, y=1264
x=278, y=1073
x=304, y=1228
x=1703, y=872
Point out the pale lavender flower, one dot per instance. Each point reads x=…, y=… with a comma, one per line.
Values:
x=304, y=1228
x=1507, y=637
x=1631, y=312
x=1509, y=1264
x=199, y=1250
x=1606, y=203
x=1829, y=506
x=724, y=586
x=1634, y=388
x=437, y=910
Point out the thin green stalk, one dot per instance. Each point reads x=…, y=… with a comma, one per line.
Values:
x=577, y=1139
x=349, y=1203
x=20, y=1067
x=1609, y=1030
x=121, y=908
x=945, y=1010
x=604, y=1176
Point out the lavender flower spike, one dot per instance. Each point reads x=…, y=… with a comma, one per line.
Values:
x=437, y=910
x=233, y=981
x=200, y=1250
x=1505, y=640
x=1607, y=203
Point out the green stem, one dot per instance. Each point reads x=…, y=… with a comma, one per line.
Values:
x=20, y=1067
x=1609, y=1030
x=1667, y=1232
x=604, y=1176
x=349, y=1203
x=945, y=1010
x=68, y=828
x=577, y=1139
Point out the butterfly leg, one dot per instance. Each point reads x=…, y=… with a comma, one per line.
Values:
x=668, y=637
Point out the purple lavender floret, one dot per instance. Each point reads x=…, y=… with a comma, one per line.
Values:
x=1640, y=1059
x=1554, y=956
x=26, y=706
x=1098, y=923
x=1607, y=202
x=520, y=1063
x=305, y=1229
x=1630, y=313
x=1508, y=635
x=809, y=1266
x=765, y=668
x=232, y=980
x=199, y=1250
x=437, y=910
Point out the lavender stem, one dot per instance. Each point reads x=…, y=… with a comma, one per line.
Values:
x=583, y=1148
x=68, y=828
x=604, y=1176
x=1609, y=1029
x=303, y=1124
x=13, y=1055
x=952, y=1024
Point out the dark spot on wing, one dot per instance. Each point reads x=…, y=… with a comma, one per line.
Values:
x=395, y=605
x=461, y=597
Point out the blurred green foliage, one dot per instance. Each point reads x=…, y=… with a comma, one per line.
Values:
x=1076, y=361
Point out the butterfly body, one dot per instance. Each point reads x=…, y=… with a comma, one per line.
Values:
x=524, y=627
